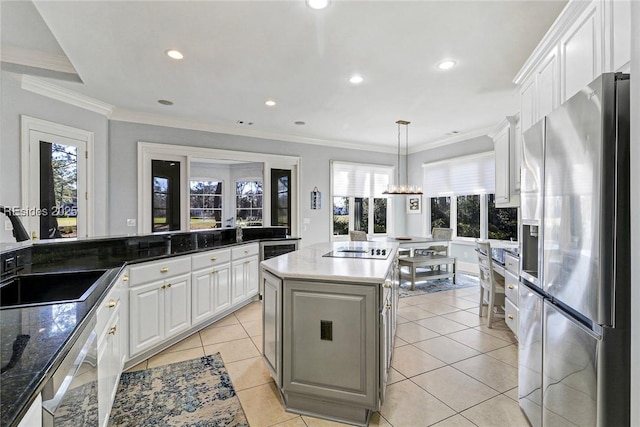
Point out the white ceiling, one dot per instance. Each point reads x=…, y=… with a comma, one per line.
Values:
x=240, y=53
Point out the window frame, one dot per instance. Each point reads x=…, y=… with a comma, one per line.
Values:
x=235, y=199
x=222, y=197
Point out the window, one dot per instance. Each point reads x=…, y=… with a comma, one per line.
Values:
x=358, y=203
x=249, y=203
x=281, y=198
x=503, y=222
x=462, y=198
x=165, y=200
x=205, y=204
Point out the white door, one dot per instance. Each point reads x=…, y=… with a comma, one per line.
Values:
x=57, y=199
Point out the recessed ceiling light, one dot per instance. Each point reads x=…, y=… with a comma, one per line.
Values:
x=270, y=103
x=356, y=79
x=299, y=123
x=174, y=54
x=165, y=102
x=446, y=64
x=317, y=4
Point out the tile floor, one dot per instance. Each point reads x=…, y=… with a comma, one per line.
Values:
x=448, y=368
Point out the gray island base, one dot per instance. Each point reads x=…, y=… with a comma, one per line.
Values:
x=329, y=324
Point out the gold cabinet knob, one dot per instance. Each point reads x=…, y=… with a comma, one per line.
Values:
x=510, y=316
x=510, y=286
x=169, y=285
x=387, y=284
x=112, y=330
x=164, y=269
x=213, y=258
x=214, y=272
x=246, y=251
x=125, y=278
x=111, y=304
x=388, y=307
x=162, y=287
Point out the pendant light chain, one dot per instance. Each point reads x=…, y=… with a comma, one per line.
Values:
x=403, y=189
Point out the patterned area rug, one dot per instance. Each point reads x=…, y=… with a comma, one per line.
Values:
x=438, y=285
x=194, y=393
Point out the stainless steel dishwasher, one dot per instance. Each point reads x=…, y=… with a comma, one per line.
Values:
x=70, y=397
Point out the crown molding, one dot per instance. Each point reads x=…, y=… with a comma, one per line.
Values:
x=161, y=120
x=37, y=59
x=44, y=88
x=451, y=140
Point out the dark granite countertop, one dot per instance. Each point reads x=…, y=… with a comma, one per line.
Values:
x=44, y=334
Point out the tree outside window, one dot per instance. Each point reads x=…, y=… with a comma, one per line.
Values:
x=249, y=203
x=340, y=216
x=503, y=222
x=468, y=221
x=205, y=204
x=379, y=215
x=440, y=212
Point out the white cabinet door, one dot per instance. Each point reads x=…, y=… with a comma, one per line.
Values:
x=272, y=325
x=238, y=283
x=502, y=153
x=221, y=280
x=621, y=32
x=528, y=104
x=251, y=272
x=177, y=305
x=109, y=367
x=203, y=290
x=33, y=417
x=581, y=52
x=548, y=85
x=145, y=315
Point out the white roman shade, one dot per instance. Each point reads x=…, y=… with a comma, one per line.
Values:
x=473, y=174
x=359, y=179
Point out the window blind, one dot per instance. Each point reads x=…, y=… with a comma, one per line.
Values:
x=473, y=174
x=359, y=179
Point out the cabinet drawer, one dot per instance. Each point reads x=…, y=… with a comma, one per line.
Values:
x=158, y=270
x=109, y=306
x=210, y=258
x=512, y=263
x=511, y=288
x=511, y=316
x=245, y=251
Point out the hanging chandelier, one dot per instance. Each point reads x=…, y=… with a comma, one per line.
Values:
x=398, y=188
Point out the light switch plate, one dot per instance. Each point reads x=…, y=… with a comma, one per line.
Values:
x=7, y=225
x=131, y=222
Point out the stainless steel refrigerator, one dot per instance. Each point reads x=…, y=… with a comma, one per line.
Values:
x=574, y=319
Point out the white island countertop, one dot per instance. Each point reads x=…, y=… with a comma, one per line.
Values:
x=309, y=263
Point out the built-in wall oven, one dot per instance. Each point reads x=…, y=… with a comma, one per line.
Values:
x=70, y=397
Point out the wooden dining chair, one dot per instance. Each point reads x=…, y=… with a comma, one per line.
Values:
x=357, y=236
x=491, y=284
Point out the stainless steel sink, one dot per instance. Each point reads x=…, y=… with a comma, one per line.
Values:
x=48, y=288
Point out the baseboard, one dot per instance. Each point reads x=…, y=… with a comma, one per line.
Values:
x=467, y=268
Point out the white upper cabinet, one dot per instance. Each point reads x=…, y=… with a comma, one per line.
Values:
x=587, y=39
x=507, y=163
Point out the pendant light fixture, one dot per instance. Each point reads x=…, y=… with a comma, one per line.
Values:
x=398, y=188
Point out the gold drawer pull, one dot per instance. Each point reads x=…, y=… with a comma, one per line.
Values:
x=112, y=330
x=162, y=287
x=388, y=306
x=213, y=258
x=169, y=285
x=246, y=251
x=510, y=286
x=214, y=272
x=125, y=278
x=111, y=304
x=387, y=284
x=164, y=269
x=510, y=316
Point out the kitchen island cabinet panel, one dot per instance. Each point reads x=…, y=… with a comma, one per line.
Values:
x=272, y=325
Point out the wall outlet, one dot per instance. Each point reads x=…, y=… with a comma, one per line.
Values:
x=131, y=222
x=7, y=225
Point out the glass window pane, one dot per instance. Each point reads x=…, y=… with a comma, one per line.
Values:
x=440, y=212
x=503, y=222
x=380, y=215
x=468, y=222
x=361, y=214
x=160, y=185
x=340, y=216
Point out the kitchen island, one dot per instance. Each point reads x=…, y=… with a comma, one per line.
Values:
x=329, y=316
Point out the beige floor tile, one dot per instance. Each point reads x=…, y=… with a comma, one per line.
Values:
x=294, y=422
x=512, y=394
x=192, y=341
x=455, y=421
x=454, y=388
x=253, y=328
x=441, y=325
x=394, y=376
x=378, y=420
x=401, y=320
x=317, y=422
x=139, y=367
x=406, y=404
x=478, y=340
x=232, y=351
x=248, y=373
x=410, y=361
x=499, y=411
x=226, y=321
x=446, y=349
x=507, y=354
x=250, y=313
x=162, y=359
x=492, y=372
x=257, y=341
x=466, y=318
x=414, y=313
x=262, y=406
x=461, y=303
x=399, y=342
x=411, y=332
x=499, y=329
x=437, y=307
x=214, y=335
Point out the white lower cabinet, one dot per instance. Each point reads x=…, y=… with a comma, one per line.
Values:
x=244, y=268
x=109, y=366
x=33, y=417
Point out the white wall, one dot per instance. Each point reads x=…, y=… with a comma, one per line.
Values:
x=15, y=102
x=314, y=169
